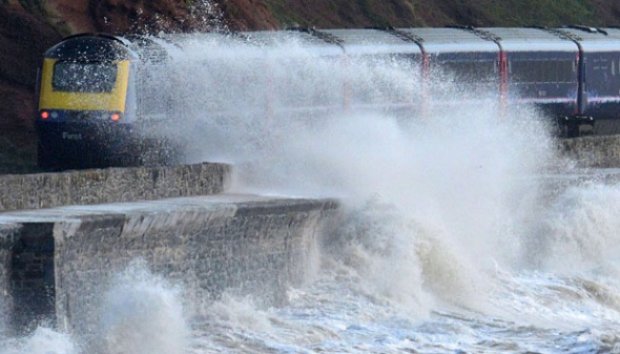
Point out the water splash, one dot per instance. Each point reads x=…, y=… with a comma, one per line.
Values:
x=42, y=341
x=142, y=313
x=436, y=188
x=444, y=243
x=581, y=230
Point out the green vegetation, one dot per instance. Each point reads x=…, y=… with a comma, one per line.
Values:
x=360, y=13
x=285, y=16
x=536, y=12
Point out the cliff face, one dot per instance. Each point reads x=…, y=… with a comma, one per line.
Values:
x=28, y=27
x=23, y=37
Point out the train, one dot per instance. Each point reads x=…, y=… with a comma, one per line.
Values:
x=93, y=88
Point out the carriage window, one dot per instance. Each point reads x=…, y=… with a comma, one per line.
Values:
x=530, y=71
x=601, y=64
x=84, y=77
x=468, y=71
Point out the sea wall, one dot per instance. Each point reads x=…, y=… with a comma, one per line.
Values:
x=8, y=234
x=592, y=151
x=206, y=245
x=97, y=186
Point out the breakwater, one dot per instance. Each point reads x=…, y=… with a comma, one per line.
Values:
x=64, y=236
x=592, y=151
x=56, y=262
x=46, y=190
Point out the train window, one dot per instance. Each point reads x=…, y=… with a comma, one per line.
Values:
x=600, y=64
x=532, y=71
x=470, y=71
x=84, y=77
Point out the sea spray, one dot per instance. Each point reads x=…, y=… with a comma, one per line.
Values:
x=582, y=230
x=42, y=341
x=434, y=251
x=142, y=313
x=451, y=168
x=440, y=204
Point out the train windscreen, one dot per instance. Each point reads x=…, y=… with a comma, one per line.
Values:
x=95, y=77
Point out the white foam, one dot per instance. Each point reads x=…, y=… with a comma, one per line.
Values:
x=142, y=313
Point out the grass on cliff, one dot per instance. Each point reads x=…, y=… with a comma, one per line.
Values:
x=538, y=12
x=363, y=13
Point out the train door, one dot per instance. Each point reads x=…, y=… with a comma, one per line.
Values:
x=602, y=90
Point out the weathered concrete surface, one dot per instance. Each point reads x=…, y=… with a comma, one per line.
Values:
x=46, y=190
x=8, y=235
x=32, y=274
x=209, y=244
x=592, y=151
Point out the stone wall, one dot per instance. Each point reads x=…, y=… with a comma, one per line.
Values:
x=592, y=151
x=45, y=190
x=208, y=245
x=32, y=276
x=8, y=235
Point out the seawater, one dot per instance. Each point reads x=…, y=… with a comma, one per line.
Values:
x=448, y=242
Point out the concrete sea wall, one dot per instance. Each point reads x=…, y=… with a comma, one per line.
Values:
x=46, y=190
x=63, y=259
x=592, y=151
x=8, y=234
x=64, y=237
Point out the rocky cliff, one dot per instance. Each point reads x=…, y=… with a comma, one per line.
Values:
x=28, y=27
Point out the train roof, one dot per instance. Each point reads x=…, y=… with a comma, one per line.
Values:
x=450, y=40
x=612, y=32
x=592, y=39
x=91, y=47
x=373, y=41
x=524, y=39
x=217, y=45
x=315, y=41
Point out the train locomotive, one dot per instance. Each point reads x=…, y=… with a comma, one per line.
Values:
x=92, y=87
x=89, y=90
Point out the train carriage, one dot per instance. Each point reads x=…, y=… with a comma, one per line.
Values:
x=459, y=53
x=85, y=102
x=541, y=70
x=459, y=67
x=288, y=60
x=376, y=51
x=103, y=99
x=600, y=62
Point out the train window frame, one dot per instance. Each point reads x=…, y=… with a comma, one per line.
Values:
x=544, y=71
x=94, y=87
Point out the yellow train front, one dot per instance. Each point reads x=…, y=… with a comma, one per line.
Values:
x=87, y=104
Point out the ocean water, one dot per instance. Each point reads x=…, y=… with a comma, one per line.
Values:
x=448, y=242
